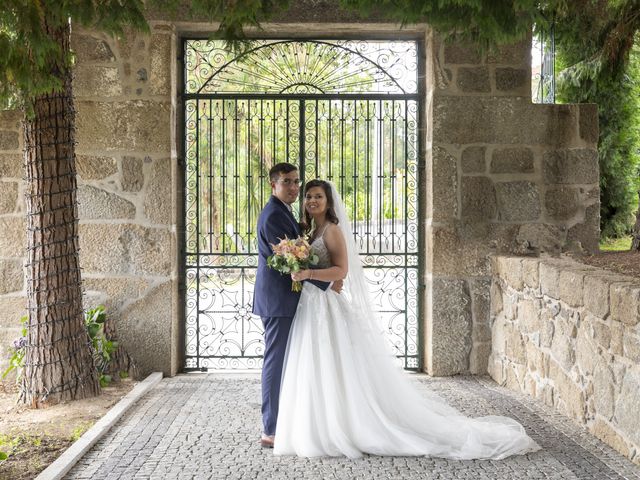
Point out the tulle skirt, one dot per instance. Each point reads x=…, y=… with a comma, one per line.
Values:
x=343, y=394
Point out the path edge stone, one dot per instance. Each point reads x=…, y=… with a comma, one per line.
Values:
x=65, y=462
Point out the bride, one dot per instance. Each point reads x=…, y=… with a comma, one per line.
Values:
x=342, y=392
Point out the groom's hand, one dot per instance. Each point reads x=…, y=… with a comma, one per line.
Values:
x=337, y=286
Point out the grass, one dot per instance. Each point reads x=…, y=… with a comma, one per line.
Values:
x=615, y=244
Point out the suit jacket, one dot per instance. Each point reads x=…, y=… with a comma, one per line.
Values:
x=272, y=296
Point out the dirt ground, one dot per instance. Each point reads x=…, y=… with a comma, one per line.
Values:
x=627, y=263
x=35, y=438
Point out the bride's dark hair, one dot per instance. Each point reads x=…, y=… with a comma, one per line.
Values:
x=307, y=221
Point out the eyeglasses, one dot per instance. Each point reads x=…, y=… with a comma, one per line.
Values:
x=288, y=182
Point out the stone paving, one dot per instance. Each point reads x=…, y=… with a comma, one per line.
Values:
x=206, y=426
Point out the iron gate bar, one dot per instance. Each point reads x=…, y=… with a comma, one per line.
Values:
x=347, y=115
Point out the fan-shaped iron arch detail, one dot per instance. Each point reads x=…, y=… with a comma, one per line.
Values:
x=302, y=67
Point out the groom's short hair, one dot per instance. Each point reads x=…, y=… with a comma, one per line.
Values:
x=278, y=168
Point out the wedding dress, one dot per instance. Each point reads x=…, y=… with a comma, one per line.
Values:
x=342, y=392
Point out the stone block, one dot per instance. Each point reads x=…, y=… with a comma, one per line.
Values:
x=625, y=303
x=96, y=81
x=91, y=167
x=13, y=240
x=11, y=120
x=131, y=125
x=496, y=370
x=571, y=284
x=607, y=434
x=541, y=238
x=132, y=174
x=158, y=203
x=603, y=390
x=455, y=53
x=9, y=140
x=586, y=350
x=589, y=131
x=501, y=120
x=8, y=197
x=481, y=308
x=571, y=166
x=12, y=308
x=514, y=80
x=518, y=201
x=631, y=346
x=617, y=330
x=569, y=397
x=587, y=233
x=473, y=159
x=512, y=160
x=515, y=377
x=515, y=349
x=596, y=292
x=161, y=58
x=148, y=318
x=628, y=405
x=115, y=292
x=89, y=49
x=550, y=278
x=562, y=203
x=445, y=185
x=11, y=276
x=125, y=249
x=562, y=349
x=511, y=54
x=11, y=165
x=473, y=79
x=454, y=257
x=95, y=203
x=478, y=199
x=513, y=272
x=531, y=272
x=497, y=302
x=479, y=358
x=451, y=326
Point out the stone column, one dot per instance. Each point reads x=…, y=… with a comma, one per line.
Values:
x=503, y=175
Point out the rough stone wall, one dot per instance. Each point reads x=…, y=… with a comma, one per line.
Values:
x=13, y=235
x=569, y=334
x=503, y=175
x=126, y=197
x=126, y=193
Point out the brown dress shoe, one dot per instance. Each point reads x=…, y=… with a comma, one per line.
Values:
x=266, y=441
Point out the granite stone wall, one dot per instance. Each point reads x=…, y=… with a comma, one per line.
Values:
x=569, y=335
x=498, y=174
x=503, y=175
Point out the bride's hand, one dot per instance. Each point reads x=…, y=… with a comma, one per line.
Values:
x=301, y=275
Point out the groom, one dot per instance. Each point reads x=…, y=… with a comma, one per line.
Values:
x=273, y=299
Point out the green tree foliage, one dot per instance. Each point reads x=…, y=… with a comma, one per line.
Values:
x=27, y=48
x=599, y=64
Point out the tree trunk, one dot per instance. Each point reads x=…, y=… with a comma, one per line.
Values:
x=635, y=242
x=58, y=362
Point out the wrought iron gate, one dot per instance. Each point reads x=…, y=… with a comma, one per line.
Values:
x=347, y=111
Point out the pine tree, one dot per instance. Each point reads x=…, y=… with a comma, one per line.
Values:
x=35, y=70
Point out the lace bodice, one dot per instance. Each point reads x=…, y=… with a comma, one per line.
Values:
x=319, y=248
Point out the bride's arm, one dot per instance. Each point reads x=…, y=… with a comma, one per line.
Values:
x=337, y=247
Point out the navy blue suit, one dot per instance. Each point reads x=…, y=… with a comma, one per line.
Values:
x=276, y=304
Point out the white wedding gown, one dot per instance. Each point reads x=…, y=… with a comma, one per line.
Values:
x=342, y=393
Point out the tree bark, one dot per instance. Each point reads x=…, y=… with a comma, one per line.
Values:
x=58, y=361
x=635, y=242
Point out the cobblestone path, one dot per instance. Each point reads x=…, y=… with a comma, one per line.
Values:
x=206, y=426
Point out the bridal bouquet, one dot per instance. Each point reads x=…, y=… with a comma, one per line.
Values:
x=292, y=255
